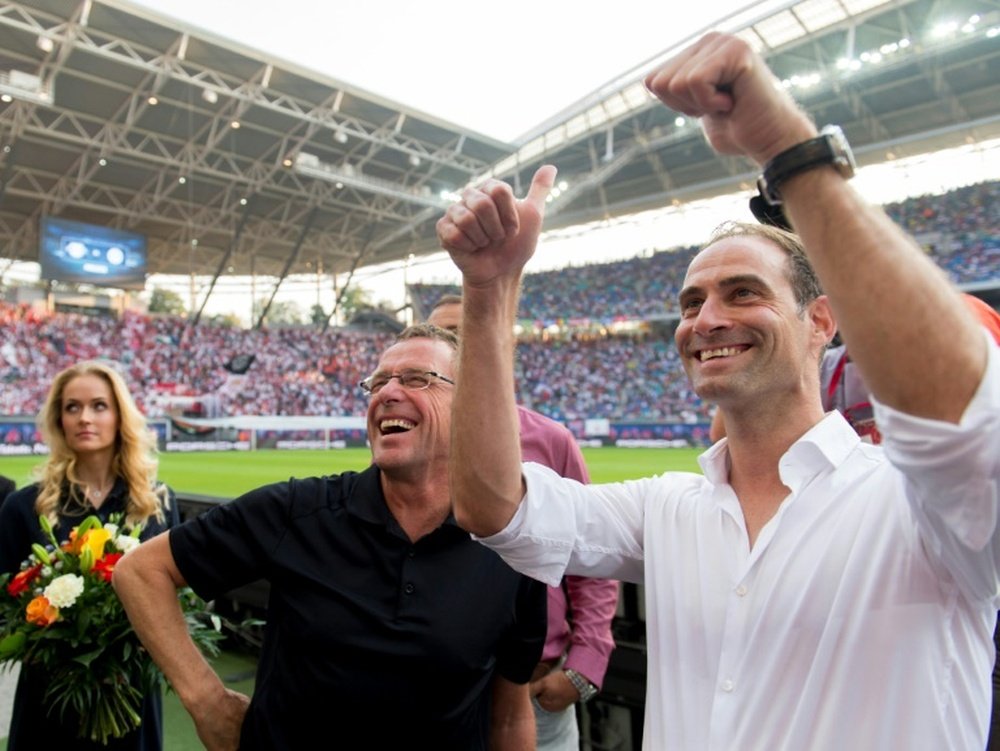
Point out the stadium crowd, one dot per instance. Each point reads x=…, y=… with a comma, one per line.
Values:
x=294, y=371
x=959, y=229
x=305, y=372
x=587, y=374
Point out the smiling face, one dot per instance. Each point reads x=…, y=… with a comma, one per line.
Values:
x=89, y=415
x=410, y=429
x=742, y=336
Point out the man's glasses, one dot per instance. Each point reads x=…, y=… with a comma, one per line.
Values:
x=414, y=380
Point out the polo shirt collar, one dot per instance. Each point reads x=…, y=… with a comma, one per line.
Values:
x=366, y=501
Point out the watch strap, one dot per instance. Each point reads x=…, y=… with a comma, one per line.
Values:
x=830, y=147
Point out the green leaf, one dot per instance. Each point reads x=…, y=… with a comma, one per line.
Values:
x=12, y=644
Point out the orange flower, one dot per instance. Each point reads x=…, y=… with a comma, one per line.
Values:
x=106, y=566
x=41, y=613
x=75, y=542
x=19, y=584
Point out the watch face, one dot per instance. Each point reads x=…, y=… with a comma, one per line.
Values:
x=843, y=158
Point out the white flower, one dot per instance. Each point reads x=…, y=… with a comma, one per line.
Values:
x=126, y=544
x=63, y=590
x=112, y=529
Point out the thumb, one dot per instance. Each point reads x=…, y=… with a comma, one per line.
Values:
x=541, y=184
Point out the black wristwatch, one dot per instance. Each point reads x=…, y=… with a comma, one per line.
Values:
x=829, y=147
x=585, y=688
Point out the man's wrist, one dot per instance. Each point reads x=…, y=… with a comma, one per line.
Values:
x=829, y=148
x=585, y=688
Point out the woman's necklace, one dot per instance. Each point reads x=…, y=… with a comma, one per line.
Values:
x=97, y=494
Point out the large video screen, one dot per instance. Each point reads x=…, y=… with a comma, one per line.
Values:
x=91, y=254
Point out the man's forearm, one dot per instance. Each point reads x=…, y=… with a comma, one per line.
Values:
x=592, y=604
x=485, y=452
x=149, y=595
x=897, y=312
x=512, y=721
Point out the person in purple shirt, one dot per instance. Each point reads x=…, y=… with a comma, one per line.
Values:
x=578, y=642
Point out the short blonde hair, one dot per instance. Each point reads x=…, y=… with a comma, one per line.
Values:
x=134, y=459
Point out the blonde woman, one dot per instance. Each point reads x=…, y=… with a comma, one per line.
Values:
x=102, y=461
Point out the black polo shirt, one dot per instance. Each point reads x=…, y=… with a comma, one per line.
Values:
x=370, y=638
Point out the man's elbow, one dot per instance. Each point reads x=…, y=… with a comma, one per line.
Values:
x=484, y=508
x=125, y=575
x=475, y=520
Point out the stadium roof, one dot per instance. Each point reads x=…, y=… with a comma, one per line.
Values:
x=231, y=162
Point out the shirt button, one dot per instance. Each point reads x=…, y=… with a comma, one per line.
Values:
x=409, y=588
x=728, y=686
x=741, y=590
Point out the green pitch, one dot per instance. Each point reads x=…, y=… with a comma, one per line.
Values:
x=228, y=474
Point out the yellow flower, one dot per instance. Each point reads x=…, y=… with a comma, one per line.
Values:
x=93, y=540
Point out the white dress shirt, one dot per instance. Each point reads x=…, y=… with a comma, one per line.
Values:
x=861, y=619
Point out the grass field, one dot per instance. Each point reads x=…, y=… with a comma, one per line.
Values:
x=228, y=474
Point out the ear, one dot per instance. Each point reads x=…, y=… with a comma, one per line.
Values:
x=824, y=325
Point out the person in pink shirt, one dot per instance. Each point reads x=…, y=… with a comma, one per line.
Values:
x=578, y=642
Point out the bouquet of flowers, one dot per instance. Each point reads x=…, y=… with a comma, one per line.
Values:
x=60, y=614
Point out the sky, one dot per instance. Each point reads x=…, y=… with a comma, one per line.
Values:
x=501, y=69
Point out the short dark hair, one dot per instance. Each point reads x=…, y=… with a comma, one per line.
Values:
x=447, y=300
x=801, y=276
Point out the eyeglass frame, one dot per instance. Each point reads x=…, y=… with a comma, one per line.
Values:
x=366, y=386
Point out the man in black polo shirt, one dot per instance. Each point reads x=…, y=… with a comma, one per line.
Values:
x=386, y=625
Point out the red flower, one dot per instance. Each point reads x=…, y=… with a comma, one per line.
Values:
x=106, y=566
x=20, y=583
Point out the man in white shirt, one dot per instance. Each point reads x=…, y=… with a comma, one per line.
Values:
x=809, y=591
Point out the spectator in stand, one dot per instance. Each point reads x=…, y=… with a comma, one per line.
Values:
x=101, y=462
x=387, y=626
x=808, y=590
x=578, y=641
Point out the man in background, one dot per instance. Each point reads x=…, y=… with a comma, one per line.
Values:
x=578, y=642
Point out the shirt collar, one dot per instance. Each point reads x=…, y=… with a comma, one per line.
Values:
x=825, y=445
x=366, y=501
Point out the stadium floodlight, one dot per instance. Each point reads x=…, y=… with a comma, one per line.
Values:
x=25, y=86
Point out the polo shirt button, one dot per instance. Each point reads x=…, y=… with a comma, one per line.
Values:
x=409, y=588
x=728, y=686
x=741, y=590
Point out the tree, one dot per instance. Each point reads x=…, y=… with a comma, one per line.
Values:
x=166, y=301
x=317, y=316
x=229, y=320
x=281, y=312
x=353, y=300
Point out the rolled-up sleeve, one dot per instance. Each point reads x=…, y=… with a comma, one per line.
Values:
x=952, y=473
x=563, y=526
